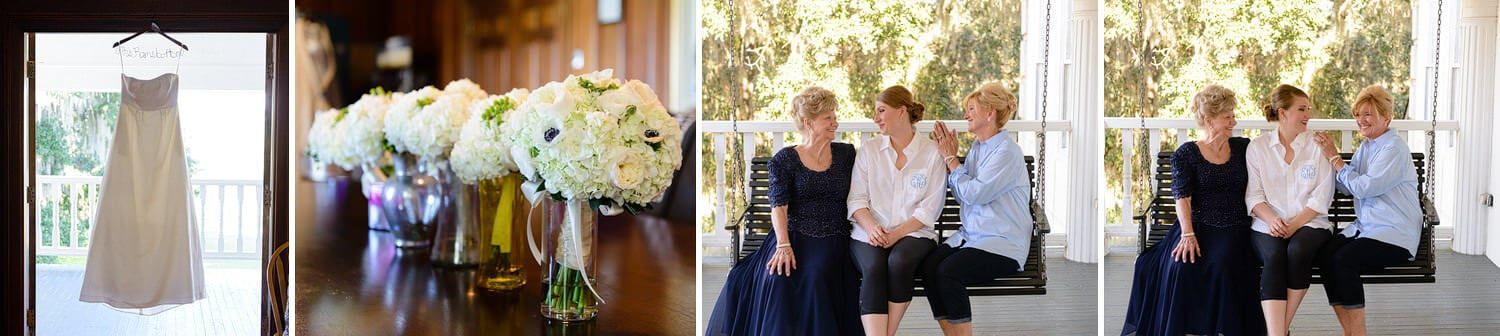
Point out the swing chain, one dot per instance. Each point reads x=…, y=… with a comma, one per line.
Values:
x=1437, y=50
x=1041, y=161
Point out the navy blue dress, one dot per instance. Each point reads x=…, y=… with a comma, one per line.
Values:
x=1217, y=295
x=821, y=297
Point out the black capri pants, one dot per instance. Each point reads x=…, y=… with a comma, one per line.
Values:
x=949, y=269
x=1345, y=258
x=888, y=273
x=1287, y=262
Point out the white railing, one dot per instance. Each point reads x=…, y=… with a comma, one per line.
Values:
x=228, y=211
x=766, y=137
x=1155, y=130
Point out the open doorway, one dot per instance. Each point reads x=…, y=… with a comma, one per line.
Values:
x=74, y=94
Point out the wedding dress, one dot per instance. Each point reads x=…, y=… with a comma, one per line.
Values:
x=144, y=253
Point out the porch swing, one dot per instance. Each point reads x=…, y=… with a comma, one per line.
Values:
x=1161, y=214
x=754, y=226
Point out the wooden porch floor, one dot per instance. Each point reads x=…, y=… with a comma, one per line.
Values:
x=232, y=306
x=1464, y=301
x=1068, y=308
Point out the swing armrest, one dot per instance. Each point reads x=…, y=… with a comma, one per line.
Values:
x=1039, y=219
x=1429, y=212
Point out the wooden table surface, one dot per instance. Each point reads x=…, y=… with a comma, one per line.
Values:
x=352, y=281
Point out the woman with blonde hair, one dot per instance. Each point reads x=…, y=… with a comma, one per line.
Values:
x=895, y=197
x=994, y=197
x=1290, y=189
x=1388, y=218
x=1199, y=279
x=800, y=281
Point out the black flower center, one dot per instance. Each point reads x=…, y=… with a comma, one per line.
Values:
x=652, y=134
x=550, y=134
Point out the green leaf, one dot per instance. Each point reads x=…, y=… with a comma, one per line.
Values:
x=492, y=114
x=594, y=88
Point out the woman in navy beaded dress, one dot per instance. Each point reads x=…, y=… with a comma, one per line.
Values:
x=1201, y=279
x=801, y=281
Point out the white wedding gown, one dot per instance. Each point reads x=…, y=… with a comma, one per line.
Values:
x=144, y=253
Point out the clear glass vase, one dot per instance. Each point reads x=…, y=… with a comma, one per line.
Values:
x=569, y=252
x=501, y=216
x=457, y=240
x=413, y=200
x=371, y=181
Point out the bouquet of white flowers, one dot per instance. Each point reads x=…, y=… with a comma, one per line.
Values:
x=595, y=138
x=431, y=132
x=363, y=128
x=325, y=138
x=481, y=152
x=399, y=130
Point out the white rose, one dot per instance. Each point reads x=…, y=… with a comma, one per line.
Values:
x=626, y=172
x=641, y=90
x=618, y=101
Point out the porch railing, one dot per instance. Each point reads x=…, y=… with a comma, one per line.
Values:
x=1154, y=131
x=228, y=213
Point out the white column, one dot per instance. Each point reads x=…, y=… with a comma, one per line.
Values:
x=1492, y=241
x=1473, y=104
x=1084, y=89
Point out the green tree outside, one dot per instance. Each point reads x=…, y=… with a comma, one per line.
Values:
x=73, y=134
x=1159, y=53
x=758, y=54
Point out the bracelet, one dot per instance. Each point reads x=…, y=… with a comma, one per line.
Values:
x=1335, y=157
x=786, y=245
x=1189, y=234
x=950, y=158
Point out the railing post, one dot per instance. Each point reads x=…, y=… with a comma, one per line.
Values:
x=56, y=204
x=72, y=195
x=221, y=217
x=239, y=214
x=720, y=212
x=747, y=152
x=1127, y=211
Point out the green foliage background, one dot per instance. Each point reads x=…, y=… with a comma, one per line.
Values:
x=1159, y=53
x=73, y=134
x=758, y=54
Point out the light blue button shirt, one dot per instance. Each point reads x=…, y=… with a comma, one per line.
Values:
x=995, y=194
x=1383, y=181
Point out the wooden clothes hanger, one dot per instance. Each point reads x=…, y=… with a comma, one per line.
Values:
x=154, y=29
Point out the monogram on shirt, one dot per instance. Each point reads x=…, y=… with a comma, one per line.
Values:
x=1307, y=172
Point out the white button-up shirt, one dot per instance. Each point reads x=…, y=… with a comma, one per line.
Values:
x=895, y=195
x=1307, y=182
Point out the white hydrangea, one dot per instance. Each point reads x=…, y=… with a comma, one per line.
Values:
x=465, y=88
x=321, y=138
x=364, y=127
x=399, y=131
x=431, y=131
x=593, y=137
x=481, y=152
